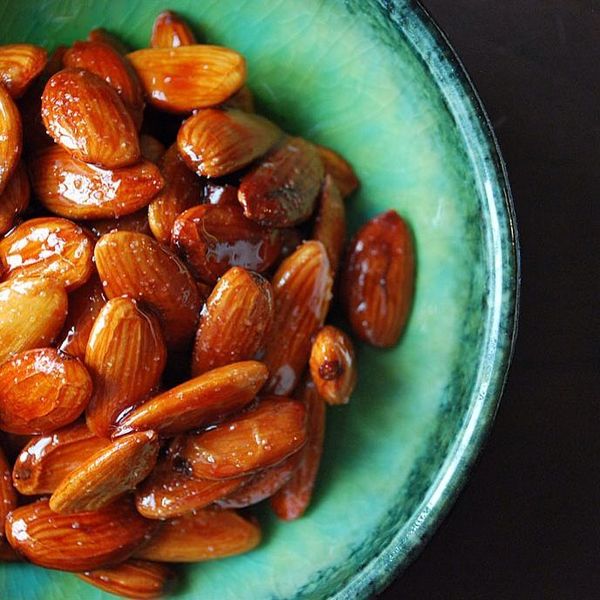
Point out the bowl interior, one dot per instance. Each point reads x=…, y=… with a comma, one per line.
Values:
x=375, y=85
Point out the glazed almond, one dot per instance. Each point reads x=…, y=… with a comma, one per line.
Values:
x=136, y=222
x=11, y=137
x=8, y=495
x=171, y=31
x=14, y=199
x=340, y=170
x=20, y=64
x=330, y=224
x=106, y=37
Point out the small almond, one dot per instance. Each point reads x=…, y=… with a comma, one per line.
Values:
x=330, y=224
x=14, y=199
x=340, y=170
x=171, y=31
x=8, y=495
x=20, y=64
x=11, y=137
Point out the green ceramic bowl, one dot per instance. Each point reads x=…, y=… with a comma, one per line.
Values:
x=378, y=82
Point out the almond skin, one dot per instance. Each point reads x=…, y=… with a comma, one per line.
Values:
x=77, y=542
x=330, y=224
x=171, y=31
x=181, y=79
x=204, y=535
x=302, y=292
x=20, y=64
x=14, y=199
x=258, y=438
x=340, y=170
x=377, y=283
x=8, y=495
x=72, y=188
x=11, y=137
x=32, y=313
x=282, y=189
x=86, y=116
x=42, y=390
x=235, y=319
x=199, y=401
x=126, y=356
x=48, y=247
x=137, y=265
x=215, y=142
x=46, y=460
x=110, y=472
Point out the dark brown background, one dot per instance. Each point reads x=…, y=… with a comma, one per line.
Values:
x=527, y=525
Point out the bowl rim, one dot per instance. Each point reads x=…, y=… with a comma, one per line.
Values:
x=415, y=23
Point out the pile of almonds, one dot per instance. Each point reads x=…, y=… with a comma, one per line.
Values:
x=163, y=354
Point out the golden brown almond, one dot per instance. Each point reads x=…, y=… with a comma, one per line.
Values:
x=330, y=224
x=302, y=292
x=137, y=222
x=242, y=100
x=110, y=472
x=72, y=188
x=282, y=189
x=32, y=313
x=340, y=170
x=48, y=247
x=138, y=579
x=139, y=266
x=204, y=535
x=77, y=542
x=151, y=148
x=8, y=495
x=46, y=460
x=15, y=198
x=260, y=437
x=217, y=142
x=182, y=79
x=11, y=137
x=182, y=190
x=102, y=35
x=126, y=356
x=199, y=401
x=333, y=365
x=213, y=238
x=20, y=64
x=378, y=280
x=235, y=319
x=86, y=116
x=42, y=390
x=171, y=31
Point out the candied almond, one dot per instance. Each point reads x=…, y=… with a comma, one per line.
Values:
x=330, y=224
x=171, y=31
x=15, y=198
x=11, y=137
x=20, y=64
x=340, y=170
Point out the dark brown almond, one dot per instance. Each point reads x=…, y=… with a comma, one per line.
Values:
x=151, y=148
x=242, y=100
x=102, y=35
x=11, y=137
x=8, y=495
x=330, y=224
x=340, y=170
x=14, y=199
x=171, y=31
x=20, y=64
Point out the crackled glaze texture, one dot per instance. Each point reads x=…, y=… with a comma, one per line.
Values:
x=376, y=81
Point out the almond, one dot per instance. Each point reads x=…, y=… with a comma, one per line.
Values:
x=242, y=100
x=282, y=189
x=199, y=401
x=291, y=239
x=378, y=280
x=72, y=188
x=138, y=579
x=139, y=266
x=340, y=170
x=46, y=460
x=302, y=292
x=213, y=238
x=49, y=247
x=203, y=535
x=14, y=199
x=126, y=356
x=110, y=472
x=182, y=190
x=106, y=37
x=137, y=222
x=258, y=438
x=11, y=137
x=88, y=119
x=333, y=365
x=330, y=224
x=42, y=390
x=182, y=79
x=77, y=542
x=220, y=193
x=32, y=312
x=215, y=142
x=234, y=321
x=171, y=31
x=8, y=495
x=151, y=148
x=20, y=64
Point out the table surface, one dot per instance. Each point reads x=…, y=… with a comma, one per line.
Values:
x=527, y=525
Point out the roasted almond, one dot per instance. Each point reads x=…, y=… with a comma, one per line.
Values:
x=14, y=199
x=137, y=222
x=282, y=189
x=151, y=148
x=216, y=142
x=110, y=472
x=199, y=401
x=48, y=247
x=302, y=292
x=260, y=437
x=32, y=313
x=140, y=267
x=340, y=170
x=171, y=31
x=378, y=280
x=11, y=137
x=42, y=390
x=213, y=238
x=204, y=535
x=20, y=64
x=126, y=356
x=102, y=35
x=77, y=542
x=330, y=224
x=88, y=119
x=8, y=495
x=72, y=188
x=46, y=460
x=234, y=321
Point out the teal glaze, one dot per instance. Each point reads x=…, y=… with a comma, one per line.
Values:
x=378, y=82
